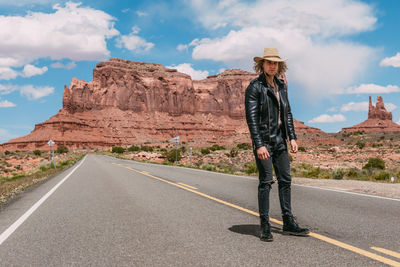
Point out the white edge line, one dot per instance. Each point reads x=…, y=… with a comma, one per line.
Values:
x=250, y=178
x=22, y=219
x=347, y=192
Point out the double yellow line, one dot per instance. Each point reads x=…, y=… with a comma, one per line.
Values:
x=315, y=235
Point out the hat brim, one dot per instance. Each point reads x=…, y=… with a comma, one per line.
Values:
x=275, y=59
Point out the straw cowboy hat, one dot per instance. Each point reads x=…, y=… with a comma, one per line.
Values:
x=270, y=54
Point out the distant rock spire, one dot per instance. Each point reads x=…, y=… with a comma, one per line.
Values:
x=379, y=111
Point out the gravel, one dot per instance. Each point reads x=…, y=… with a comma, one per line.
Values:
x=391, y=190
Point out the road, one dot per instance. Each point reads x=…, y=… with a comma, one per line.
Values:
x=111, y=212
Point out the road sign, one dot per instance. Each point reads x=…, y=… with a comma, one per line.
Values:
x=51, y=142
x=175, y=140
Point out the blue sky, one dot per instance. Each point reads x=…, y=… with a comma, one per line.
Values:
x=340, y=51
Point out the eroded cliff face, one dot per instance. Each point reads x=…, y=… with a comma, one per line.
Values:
x=379, y=119
x=135, y=86
x=133, y=102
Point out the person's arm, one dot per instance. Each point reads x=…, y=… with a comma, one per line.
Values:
x=252, y=108
x=292, y=134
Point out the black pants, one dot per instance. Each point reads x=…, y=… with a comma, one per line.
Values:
x=279, y=158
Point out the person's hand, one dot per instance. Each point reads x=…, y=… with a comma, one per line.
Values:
x=262, y=153
x=283, y=77
x=294, y=146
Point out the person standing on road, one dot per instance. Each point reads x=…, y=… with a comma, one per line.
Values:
x=270, y=123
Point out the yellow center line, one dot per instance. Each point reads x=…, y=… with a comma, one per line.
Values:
x=188, y=185
x=315, y=235
x=388, y=252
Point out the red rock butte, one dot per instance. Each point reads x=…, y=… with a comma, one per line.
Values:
x=134, y=102
x=379, y=120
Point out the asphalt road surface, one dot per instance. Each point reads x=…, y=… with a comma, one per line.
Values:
x=110, y=212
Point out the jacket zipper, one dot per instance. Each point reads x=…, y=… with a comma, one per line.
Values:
x=286, y=119
x=269, y=126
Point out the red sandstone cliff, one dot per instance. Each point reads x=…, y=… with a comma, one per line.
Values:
x=133, y=102
x=379, y=120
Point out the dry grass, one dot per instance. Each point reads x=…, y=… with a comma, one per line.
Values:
x=16, y=182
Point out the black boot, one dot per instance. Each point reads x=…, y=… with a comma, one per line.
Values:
x=290, y=227
x=266, y=232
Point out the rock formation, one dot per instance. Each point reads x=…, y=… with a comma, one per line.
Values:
x=133, y=103
x=379, y=120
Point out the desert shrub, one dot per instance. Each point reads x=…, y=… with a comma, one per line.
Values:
x=302, y=149
x=208, y=167
x=381, y=176
x=163, y=150
x=377, y=145
x=117, y=149
x=62, y=149
x=338, y=174
x=173, y=154
x=381, y=138
x=7, y=152
x=183, y=149
x=360, y=144
x=205, y=151
x=244, y=146
x=45, y=167
x=62, y=163
x=345, y=134
x=352, y=173
x=234, y=152
x=147, y=148
x=251, y=168
x=133, y=148
x=216, y=147
x=37, y=152
x=314, y=172
x=290, y=158
x=375, y=163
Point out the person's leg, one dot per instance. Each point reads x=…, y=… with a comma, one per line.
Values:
x=281, y=164
x=282, y=170
x=264, y=187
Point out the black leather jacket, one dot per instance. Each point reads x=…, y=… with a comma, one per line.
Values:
x=262, y=112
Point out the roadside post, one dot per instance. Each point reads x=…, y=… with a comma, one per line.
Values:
x=190, y=153
x=51, y=143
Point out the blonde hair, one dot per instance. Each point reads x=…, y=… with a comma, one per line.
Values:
x=258, y=67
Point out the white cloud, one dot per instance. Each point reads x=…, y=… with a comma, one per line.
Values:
x=7, y=73
x=188, y=69
x=332, y=109
x=363, y=106
x=7, y=89
x=5, y=135
x=391, y=61
x=134, y=42
x=371, y=89
x=182, y=47
x=72, y=32
x=60, y=65
x=141, y=13
x=31, y=70
x=6, y=104
x=307, y=32
x=33, y=93
x=325, y=118
x=398, y=122
x=390, y=107
x=25, y=2
x=352, y=106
